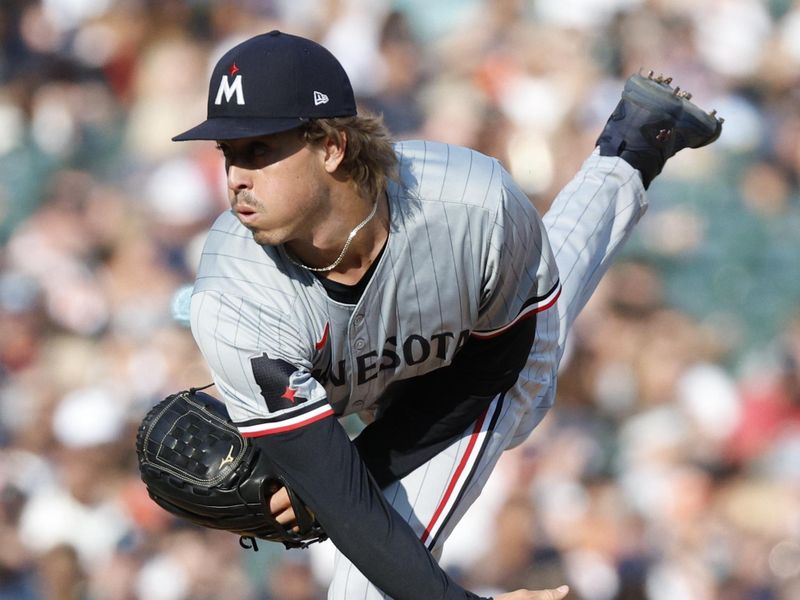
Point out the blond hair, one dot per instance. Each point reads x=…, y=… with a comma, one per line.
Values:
x=369, y=159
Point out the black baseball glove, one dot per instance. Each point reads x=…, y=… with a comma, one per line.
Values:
x=197, y=466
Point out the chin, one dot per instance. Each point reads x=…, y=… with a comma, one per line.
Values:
x=266, y=238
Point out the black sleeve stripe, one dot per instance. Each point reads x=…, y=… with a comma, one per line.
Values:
x=545, y=296
x=531, y=307
x=283, y=422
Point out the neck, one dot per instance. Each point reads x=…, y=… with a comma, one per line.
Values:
x=346, y=246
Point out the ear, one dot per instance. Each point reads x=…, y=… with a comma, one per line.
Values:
x=334, y=151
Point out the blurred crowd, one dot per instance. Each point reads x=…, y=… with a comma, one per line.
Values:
x=670, y=468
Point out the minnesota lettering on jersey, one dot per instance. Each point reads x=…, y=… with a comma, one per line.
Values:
x=414, y=349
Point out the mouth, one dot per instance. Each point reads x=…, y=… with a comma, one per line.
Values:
x=245, y=213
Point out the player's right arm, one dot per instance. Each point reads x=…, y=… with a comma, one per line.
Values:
x=323, y=467
x=274, y=402
x=359, y=520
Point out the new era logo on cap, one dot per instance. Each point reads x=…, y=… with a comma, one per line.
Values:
x=271, y=83
x=320, y=98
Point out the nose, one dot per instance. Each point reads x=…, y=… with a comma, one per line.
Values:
x=239, y=179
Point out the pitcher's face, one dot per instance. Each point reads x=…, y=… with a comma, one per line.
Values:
x=276, y=185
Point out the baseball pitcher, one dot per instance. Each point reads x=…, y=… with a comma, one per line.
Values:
x=413, y=283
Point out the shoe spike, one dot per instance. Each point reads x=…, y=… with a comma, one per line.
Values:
x=668, y=80
x=663, y=135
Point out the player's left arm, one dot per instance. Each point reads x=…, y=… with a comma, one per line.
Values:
x=520, y=286
x=421, y=416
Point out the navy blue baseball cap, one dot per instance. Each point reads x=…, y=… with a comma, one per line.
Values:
x=270, y=83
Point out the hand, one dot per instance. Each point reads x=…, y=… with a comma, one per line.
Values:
x=281, y=508
x=556, y=594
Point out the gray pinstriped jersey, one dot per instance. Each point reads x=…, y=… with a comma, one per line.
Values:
x=466, y=256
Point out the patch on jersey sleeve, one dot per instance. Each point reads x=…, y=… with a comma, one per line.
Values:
x=273, y=376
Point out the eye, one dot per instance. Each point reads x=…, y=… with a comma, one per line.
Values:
x=258, y=149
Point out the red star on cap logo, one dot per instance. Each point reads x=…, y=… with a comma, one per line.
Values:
x=289, y=393
x=233, y=70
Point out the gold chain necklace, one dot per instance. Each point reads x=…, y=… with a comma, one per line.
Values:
x=350, y=237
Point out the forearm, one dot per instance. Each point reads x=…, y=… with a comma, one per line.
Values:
x=323, y=467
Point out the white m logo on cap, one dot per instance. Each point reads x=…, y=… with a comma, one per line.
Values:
x=319, y=98
x=227, y=89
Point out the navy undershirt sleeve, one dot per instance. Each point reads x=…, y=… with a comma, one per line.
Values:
x=326, y=472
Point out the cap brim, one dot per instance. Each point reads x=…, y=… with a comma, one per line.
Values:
x=230, y=128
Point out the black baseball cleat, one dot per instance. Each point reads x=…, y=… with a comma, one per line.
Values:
x=652, y=122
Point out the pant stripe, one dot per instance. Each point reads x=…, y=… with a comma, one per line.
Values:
x=470, y=460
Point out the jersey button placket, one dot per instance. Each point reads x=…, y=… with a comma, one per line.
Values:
x=359, y=344
x=358, y=322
